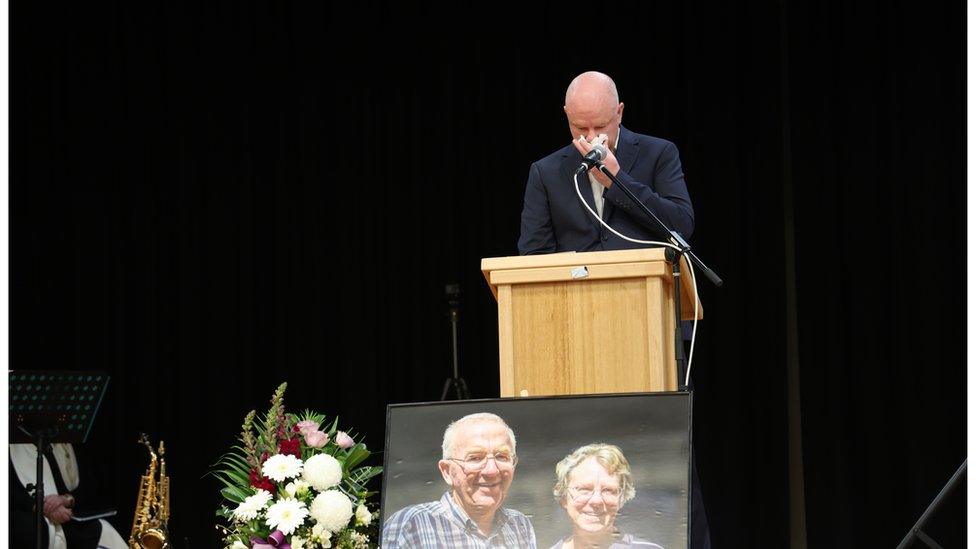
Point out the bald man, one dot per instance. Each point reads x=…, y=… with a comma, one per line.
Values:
x=554, y=219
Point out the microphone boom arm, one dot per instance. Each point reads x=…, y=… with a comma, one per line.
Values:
x=676, y=239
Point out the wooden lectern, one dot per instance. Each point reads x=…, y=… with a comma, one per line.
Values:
x=582, y=323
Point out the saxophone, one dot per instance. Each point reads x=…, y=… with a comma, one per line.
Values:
x=149, y=525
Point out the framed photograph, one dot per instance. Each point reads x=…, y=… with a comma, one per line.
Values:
x=594, y=470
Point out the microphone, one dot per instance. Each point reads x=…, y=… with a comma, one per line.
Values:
x=593, y=158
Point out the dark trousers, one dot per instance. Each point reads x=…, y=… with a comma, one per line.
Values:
x=700, y=537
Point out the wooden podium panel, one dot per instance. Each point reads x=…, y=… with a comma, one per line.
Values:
x=606, y=329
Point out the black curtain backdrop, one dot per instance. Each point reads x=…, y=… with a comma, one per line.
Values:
x=207, y=199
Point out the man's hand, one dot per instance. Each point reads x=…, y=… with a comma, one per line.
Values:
x=56, y=510
x=64, y=500
x=584, y=147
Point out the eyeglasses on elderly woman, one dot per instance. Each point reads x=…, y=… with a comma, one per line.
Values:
x=584, y=493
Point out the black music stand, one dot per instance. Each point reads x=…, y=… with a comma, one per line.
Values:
x=51, y=406
x=916, y=532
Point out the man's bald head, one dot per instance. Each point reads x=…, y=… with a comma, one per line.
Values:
x=592, y=87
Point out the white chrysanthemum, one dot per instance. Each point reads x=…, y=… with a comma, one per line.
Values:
x=359, y=541
x=296, y=487
x=321, y=536
x=286, y=515
x=282, y=466
x=246, y=511
x=252, y=505
x=297, y=542
x=363, y=516
x=322, y=471
x=332, y=509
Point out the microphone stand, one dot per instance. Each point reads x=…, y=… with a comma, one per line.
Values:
x=674, y=256
x=453, y=292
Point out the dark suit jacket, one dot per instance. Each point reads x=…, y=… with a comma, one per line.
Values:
x=553, y=220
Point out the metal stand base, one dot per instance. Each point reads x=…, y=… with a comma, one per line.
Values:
x=460, y=388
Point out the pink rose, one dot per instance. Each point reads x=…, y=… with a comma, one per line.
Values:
x=307, y=426
x=344, y=440
x=316, y=439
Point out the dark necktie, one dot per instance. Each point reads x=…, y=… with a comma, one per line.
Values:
x=55, y=471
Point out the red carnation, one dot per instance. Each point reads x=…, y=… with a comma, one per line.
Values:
x=260, y=482
x=291, y=447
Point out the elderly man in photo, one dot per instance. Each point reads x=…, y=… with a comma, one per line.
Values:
x=478, y=463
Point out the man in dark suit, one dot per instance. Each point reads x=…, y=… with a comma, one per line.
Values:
x=554, y=219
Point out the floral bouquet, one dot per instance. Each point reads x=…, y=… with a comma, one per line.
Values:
x=294, y=484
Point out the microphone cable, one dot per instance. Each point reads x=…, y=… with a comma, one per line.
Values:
x=691, y=269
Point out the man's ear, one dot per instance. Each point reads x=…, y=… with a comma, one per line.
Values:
x=620, y=113
x=445, y=468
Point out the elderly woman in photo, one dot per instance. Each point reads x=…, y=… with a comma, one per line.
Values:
x=592, y=484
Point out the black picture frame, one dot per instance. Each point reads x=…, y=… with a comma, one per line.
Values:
x=653, y=430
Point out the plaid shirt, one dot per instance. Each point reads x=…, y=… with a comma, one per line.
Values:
x=443, y=523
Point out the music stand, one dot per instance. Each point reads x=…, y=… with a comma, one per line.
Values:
x=51, y=406
x=916, y=532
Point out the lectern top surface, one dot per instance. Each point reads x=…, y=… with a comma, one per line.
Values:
x=572, y=258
